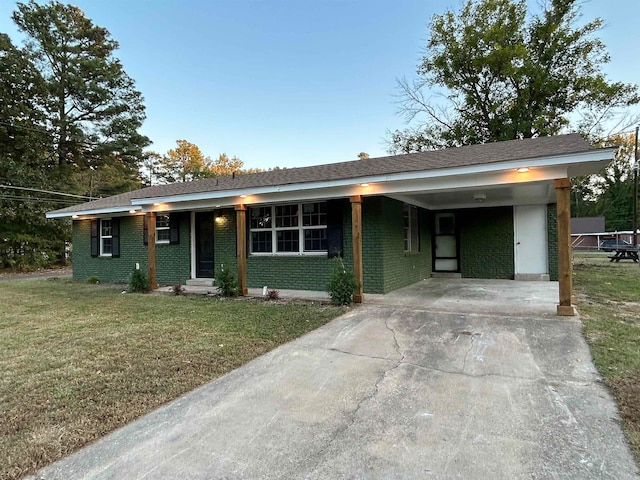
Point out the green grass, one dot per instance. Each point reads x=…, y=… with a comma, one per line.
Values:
x=79, y=361
x=608, y=297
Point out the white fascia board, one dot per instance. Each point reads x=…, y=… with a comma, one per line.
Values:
x=227, y=195
x=278, y=197
x=96, y=211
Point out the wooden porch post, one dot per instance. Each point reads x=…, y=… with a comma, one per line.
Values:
x=356, y=235
x=151, y=248
x=241, y=248
x=563, y=190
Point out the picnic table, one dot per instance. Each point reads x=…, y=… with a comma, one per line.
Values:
x=622, y=253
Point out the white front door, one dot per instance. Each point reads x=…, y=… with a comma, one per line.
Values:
x=530, y=223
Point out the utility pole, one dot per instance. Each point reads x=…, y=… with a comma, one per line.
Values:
x=635, y=192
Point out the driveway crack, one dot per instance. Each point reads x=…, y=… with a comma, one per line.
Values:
x=376, y=388
x=373, y=357
x=472, y=337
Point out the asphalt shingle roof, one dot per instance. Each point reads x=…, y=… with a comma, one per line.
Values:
x=413, y=162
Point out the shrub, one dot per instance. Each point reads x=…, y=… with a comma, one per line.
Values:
x=177, y=289
x=272, y=295
x=139, y=282
x=342, y=284
x=93, y=279
x=227, y=284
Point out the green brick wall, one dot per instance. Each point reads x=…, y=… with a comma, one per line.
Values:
x=384, y=262
x=172, y=261
x=486, y=242
x=552, y=229
x=224, y=240
x=486, y=250
x=373, y=236
x=299, y=272
x=388, y=262
x=173, y=264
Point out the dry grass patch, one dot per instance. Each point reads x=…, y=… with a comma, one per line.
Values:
x=82, y=360
x=608, y=299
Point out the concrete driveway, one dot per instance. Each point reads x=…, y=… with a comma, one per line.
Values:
x=443, y=379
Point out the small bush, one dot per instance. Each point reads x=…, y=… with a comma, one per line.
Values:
x=177, y=289
x=227, y=284
x=139, y=282
x=272, y=295
x=342, y=284
x=93, y=279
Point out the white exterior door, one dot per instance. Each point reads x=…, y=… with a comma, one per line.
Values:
x=530, y=225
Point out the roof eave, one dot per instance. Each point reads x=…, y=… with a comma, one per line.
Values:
x=95, y=211
x=234, y=196
x=569, y=159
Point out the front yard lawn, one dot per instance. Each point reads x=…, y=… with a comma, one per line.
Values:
x=79, y=361
x=608, y=297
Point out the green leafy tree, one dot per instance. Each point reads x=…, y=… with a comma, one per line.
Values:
x=91, y=106
x=151, y=168
x=69, y=120
x=610, y=192
x=27, y=238
x=224, y=165
x=184, y=163
x=505, y=75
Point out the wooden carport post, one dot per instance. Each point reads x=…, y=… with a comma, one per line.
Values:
x=151, y=249
x=356, y=236
x=241, y=248
x=565, y=289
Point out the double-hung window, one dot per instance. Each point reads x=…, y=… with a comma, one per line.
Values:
x=106, y=238
x=411, y=229
x=163, y=231
x=297, y=228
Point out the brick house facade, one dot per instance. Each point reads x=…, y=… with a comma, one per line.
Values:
x=481, y=211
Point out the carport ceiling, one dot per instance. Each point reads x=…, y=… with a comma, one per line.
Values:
x=513, y=194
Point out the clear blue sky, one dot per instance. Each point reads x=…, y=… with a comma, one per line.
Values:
x=289, y=82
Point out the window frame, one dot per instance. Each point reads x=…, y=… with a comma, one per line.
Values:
x=411, y=228
x=104, y=237
x=164, y=228
x=299, y=227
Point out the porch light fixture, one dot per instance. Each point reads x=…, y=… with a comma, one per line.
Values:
x=523, y=170
x=243, y=196
x=132, y=211
x=157, y=204
x=479, y=197
x=75, y=216
x=219, y=219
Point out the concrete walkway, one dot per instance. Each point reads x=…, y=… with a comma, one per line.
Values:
x=445, y=379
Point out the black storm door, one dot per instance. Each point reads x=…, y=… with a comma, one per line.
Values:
x=204, y=245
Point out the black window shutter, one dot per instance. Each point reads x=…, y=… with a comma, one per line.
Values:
x=95, y=246
x=335, y=210
x=145, y=230
x=174, y=228
x=115, y=237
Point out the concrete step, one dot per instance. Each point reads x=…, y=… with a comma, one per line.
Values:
x=445, y=275
x=200, y=282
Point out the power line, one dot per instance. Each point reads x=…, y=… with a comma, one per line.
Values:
x=46, y=191
x=23, y=127
x=37, y=199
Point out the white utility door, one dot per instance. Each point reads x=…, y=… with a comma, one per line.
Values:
x=531, y=240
